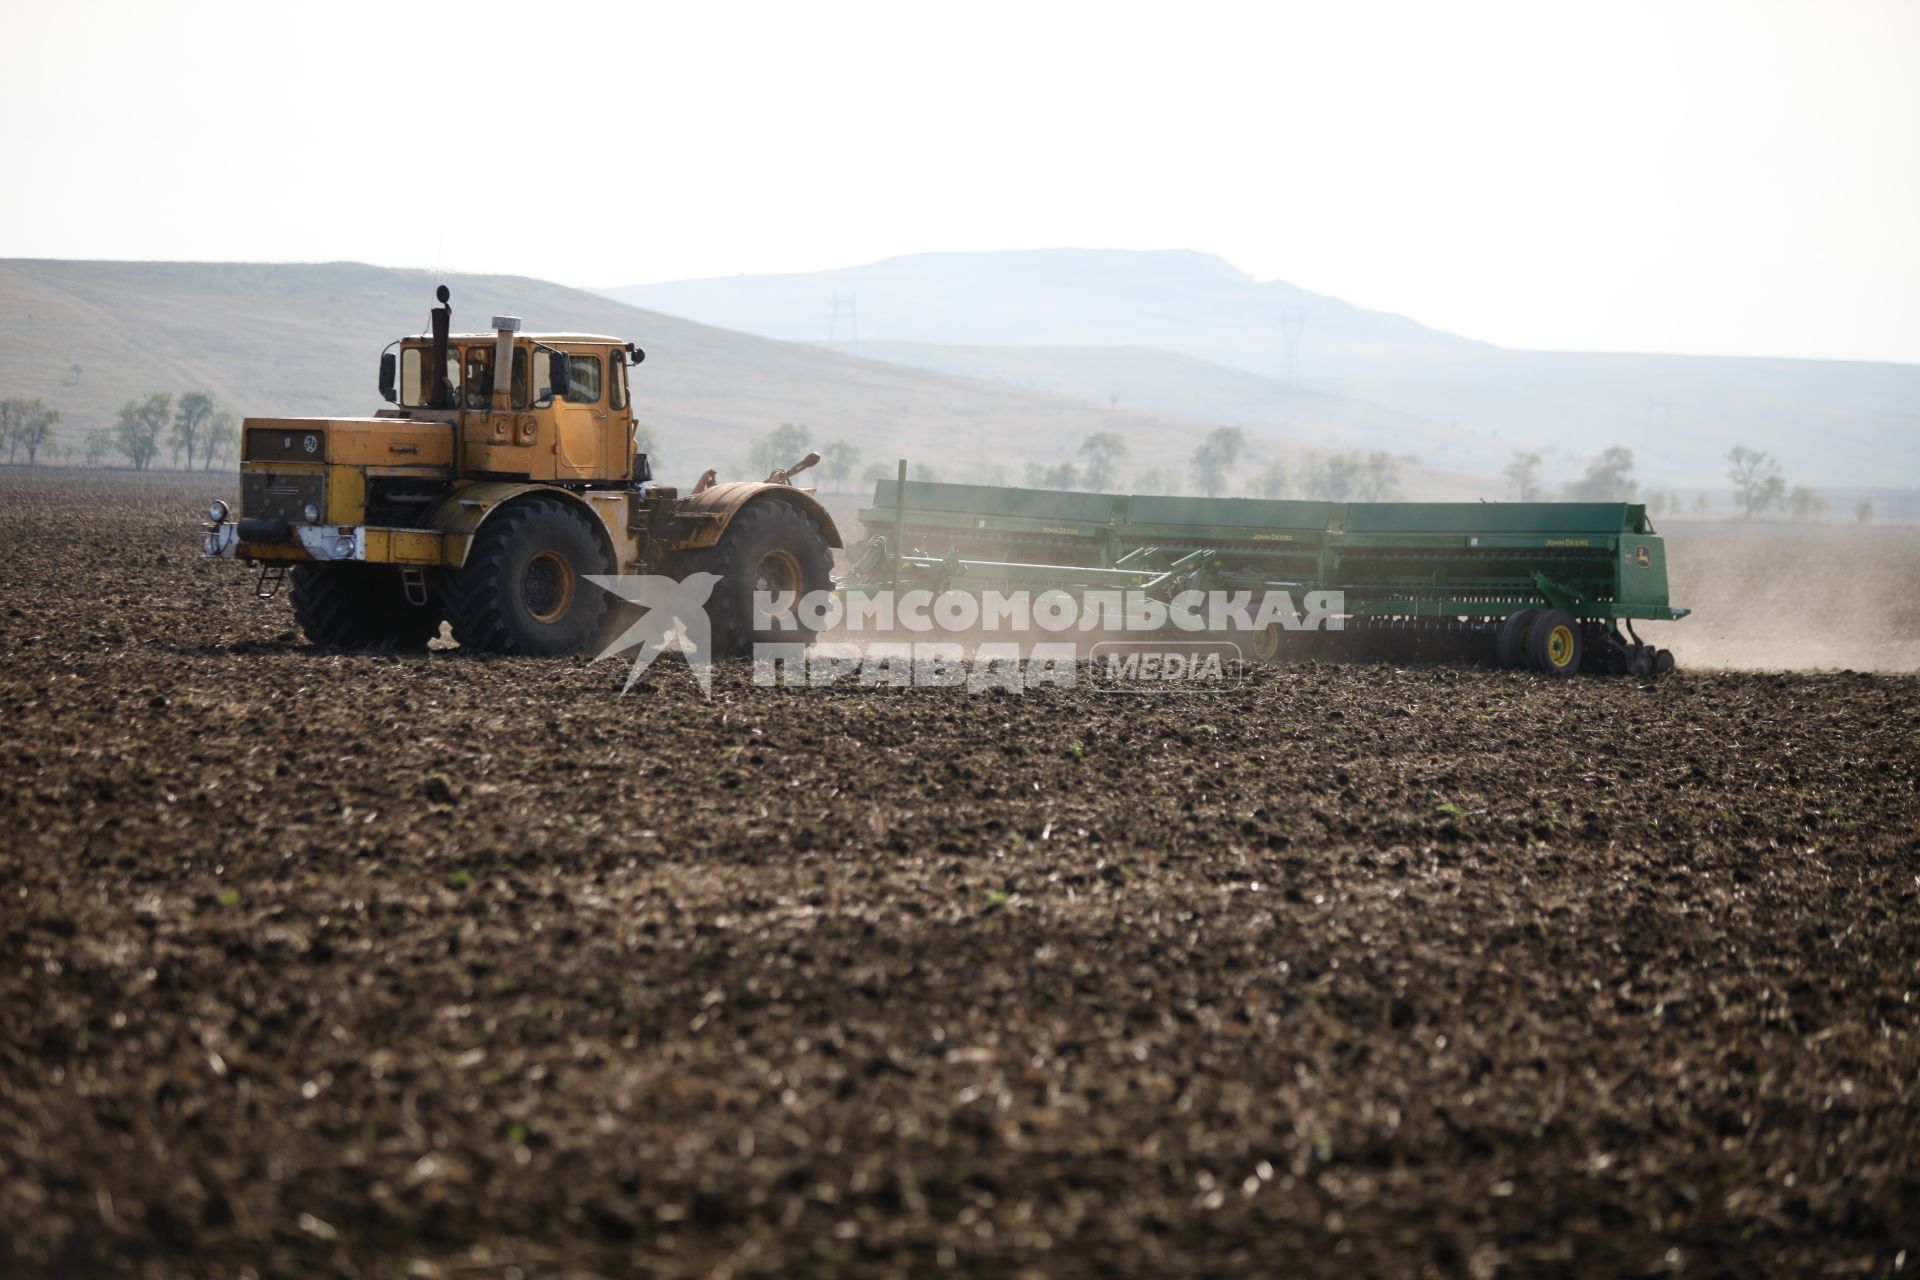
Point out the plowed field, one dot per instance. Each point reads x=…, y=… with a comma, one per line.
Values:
x=371, y=965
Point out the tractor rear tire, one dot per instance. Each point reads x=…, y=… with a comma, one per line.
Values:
x=523, y=589
x=1510, y=642
x=769, y=546
x=359, y=606
x=1553, y=643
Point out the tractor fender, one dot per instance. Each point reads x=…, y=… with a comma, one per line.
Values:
x=460, y=516
x=725, y=501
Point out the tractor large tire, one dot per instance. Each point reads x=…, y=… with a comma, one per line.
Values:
x=1510, y=642
x=1553, y=643
x=769, y=546
x=523, y=589
x=359, y=606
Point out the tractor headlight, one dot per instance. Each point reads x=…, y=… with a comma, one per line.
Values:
x=312, y=513
x=217, y=511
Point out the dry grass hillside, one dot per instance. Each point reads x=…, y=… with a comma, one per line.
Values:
x=304, y=339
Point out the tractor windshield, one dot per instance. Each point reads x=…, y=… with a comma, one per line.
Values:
x=416, y=382
x=479, y=385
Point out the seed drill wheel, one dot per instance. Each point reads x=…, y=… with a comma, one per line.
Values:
x=360, y=606
x=1553, y=643
x=1510, y=642
x=773, y=547
x=1266, y=643
x=522, y=589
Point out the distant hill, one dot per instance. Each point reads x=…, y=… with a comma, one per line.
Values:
x=305, y=339
x=1164, y=382
x=1191, y=303
x=1459, y=403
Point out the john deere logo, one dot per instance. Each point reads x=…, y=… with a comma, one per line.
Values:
x=1643, y=557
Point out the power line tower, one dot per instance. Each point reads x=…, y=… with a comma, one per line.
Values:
x=851, y=304
x=1292, y=324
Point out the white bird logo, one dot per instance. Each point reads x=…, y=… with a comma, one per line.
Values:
x=669, y=603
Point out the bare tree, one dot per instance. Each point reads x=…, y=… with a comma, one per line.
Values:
x=1214, y=461
x=190, y=419
x=838, y=458
x=1609, y=478
x=1104, y=451
x=13, y=416
x=1059, y=476
x=26, y=424
x=1524, y=471
x=1757, y=482
x=781, y=447
x=223, y=438
x=1158, y=480
x=137, y=433
x=1805, y=504
x=1274, y=481
x=42, y=418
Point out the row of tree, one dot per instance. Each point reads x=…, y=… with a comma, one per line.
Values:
x=194, y=426
x=26, y=424
x=783, y=446
x=1217, y=464
x=1758, y=486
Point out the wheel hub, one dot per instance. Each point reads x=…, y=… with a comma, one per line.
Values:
x=548, y=586
x=777, y=579
x=1560, y=646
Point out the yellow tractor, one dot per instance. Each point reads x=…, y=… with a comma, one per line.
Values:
x=485, y=501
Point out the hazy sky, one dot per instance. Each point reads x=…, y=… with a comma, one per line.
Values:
x=1705, y=177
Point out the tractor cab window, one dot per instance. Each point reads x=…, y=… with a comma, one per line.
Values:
x=543, y=388
x=416, y=382
x=617, y=374
x=480, y=378
x=479, y=384
x=519, y=377
x=584, y=386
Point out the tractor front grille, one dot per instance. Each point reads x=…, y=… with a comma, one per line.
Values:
x=271, y=495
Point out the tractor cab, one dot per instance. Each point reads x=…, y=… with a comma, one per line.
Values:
x=562, y=414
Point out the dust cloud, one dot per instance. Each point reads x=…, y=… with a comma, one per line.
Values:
x=1794, y=597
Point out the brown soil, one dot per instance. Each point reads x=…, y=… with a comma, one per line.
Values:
x=353, y=964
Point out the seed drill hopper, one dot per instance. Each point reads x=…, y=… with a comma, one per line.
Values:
x=1552, y=586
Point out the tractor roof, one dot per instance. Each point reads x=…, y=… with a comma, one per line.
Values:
x=489, y=336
